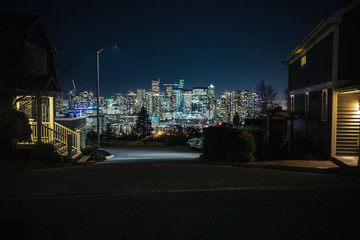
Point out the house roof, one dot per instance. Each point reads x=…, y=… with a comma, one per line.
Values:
x=324, y=26
x=14, y=33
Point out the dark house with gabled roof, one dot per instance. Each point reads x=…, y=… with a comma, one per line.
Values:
x=28, y=77
x=324, y=85
x=27, y=55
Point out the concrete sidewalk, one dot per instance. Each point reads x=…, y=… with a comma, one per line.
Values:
x=304, y=166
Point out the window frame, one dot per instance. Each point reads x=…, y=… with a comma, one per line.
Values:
x=292, y=103
x=324, y=105
x=307, y=103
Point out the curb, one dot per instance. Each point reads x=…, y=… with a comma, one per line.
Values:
x=350, y=171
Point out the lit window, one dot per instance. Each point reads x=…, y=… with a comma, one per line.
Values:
x=324, y=105
x=303, y=60
x=307, y=103
x=292, y=103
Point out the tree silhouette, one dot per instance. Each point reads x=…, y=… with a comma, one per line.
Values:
x=267, y=94
x=236, y=120
x=143, y=123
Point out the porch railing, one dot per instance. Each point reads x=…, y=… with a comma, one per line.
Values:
x=58, y=136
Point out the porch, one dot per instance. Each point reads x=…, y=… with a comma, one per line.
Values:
x=65, y=141
x=40, y=111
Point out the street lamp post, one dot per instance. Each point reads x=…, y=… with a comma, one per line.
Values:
x=98, y=93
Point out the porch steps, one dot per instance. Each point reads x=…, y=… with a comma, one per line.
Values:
x=345, y=161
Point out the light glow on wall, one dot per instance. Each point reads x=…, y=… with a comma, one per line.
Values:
x=303, y=60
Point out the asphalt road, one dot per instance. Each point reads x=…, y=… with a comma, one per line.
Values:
x=177, y=200
x=147, y=154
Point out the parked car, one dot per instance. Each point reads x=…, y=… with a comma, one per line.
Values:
x=192, y=141
x=199, y=143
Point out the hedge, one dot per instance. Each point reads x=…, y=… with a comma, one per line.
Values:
x=228, y=144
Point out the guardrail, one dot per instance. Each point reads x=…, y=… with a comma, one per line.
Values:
x=60, y=137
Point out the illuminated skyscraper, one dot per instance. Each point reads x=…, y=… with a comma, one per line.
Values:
x=236, y=103
x=156, y=104
x=223, y=109
x=199, y=100
x=140, y=99
x=179, y=99
x=187, y=100
x=155, y=86
x=130, y=102
x=181, y=83
x=211, y=103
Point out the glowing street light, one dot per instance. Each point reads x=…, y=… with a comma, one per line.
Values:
x=98, y=92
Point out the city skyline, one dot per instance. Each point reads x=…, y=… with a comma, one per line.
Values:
x=231, y=44
x=163, y=89
x=174, y=103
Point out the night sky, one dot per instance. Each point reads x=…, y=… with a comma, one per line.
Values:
x=231, y=44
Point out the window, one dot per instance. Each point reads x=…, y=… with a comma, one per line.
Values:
x=303, y=61
x=292, y=103
x=307, y=103
x=324, y=105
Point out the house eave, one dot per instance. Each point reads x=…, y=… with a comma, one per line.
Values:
x=318, y=31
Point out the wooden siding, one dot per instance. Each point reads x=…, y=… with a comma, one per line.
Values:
x=318, y=68
x=348, y=124
x=310, y=127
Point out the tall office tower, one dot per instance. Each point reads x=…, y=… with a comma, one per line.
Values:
x=236, y=103
x=187, y=100
x=181, y=83
x=168, y=89
x=140, y=98
x=199, y=100
x=164, y=104
x=228, y=97
x=179, y=99
x=247, y=104
x=149, y=102
x=168, y=92
x=173, y=102
x=156, y=102
x=121, y=101
x=254, y=106
x=223, y=109
x=108, y=103
x=130, y=102
x=155, y=86
x=211, y=103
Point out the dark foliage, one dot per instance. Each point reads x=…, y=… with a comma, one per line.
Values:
x=21, y=128
x=143, y=124
x=45, y=153
x=192, y=132
x=227, y=144
x=236, y=120
x=87, y=150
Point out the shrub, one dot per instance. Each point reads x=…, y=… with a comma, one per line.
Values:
x=174, y=140
x=227, y=144
x=87, y=150
x=45, y=153
x=97, y=156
